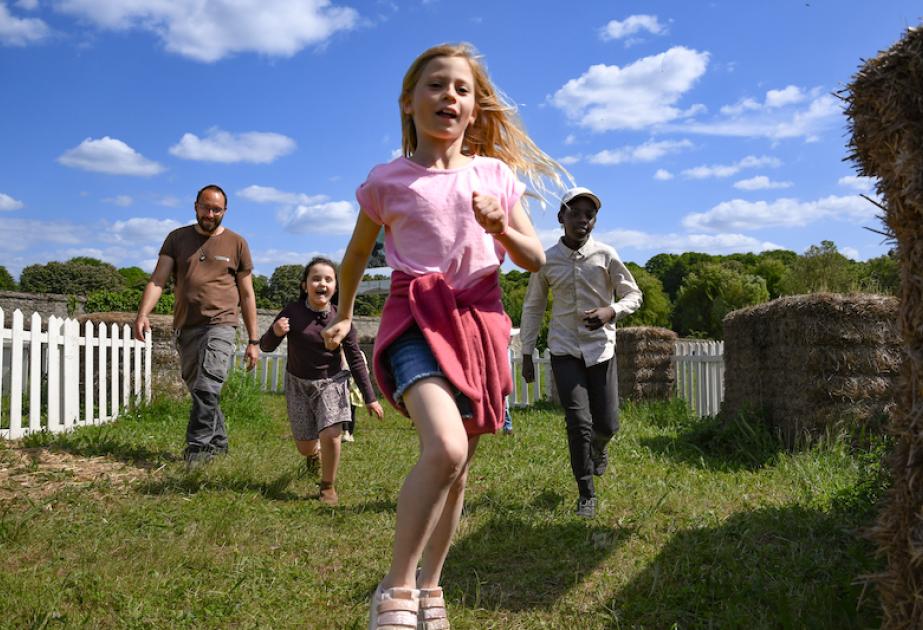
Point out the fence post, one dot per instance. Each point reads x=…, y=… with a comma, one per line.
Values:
x=148, y=353
x=103, y=373
x=71, y=378
x=16, y=340
x=114, y=385
x=88, y=338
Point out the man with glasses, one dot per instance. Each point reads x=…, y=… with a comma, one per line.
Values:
x=211, y=267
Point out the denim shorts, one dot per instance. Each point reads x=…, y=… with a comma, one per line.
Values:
x=411, y=360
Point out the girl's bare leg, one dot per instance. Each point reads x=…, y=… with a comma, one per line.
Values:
x=330, y=453
x=422, y=500
x=307, y=447
x=441, y=539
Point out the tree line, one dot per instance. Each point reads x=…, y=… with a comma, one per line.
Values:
x=689, y=293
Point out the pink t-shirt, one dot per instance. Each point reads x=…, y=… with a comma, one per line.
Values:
x=428, y=219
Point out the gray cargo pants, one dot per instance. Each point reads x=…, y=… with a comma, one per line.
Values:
x=205, y=354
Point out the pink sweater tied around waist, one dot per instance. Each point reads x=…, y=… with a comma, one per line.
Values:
x=468, y=332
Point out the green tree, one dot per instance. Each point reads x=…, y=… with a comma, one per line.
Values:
x=655, y=309
x=78, y=276
x=774, y=272
x=261, y=290
x=6, y=280
x=134, y=277
x=284, y=284
x=822, y=268
x=882, y=274
x=671, y=270
x=710, y=292
x=126, y=300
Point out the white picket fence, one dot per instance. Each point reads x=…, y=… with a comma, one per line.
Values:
x=61, y=378
x=700, y=374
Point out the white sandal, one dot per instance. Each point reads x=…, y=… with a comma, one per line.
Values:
x=432, y=615
x=394, y=608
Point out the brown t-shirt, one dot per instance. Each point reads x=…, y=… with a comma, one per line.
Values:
x=205, y=271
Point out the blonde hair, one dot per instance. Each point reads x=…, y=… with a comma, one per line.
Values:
x=497, y=130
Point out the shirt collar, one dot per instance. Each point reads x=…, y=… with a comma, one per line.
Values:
x=582, y=251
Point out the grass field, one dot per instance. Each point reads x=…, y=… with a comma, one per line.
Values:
x=702, y=526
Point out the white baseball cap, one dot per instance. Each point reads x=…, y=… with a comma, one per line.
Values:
x=580, y=191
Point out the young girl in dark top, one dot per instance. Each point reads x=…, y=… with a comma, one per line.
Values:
x=316, y=392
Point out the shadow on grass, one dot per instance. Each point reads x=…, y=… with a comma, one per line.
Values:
x=714, y=443
x=771, y=568
x=207, y=478
x=106, y=441
x=515, y=563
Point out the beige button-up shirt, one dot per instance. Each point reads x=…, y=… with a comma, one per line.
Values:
x=580, y=280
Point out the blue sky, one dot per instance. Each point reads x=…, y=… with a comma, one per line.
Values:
x=703, y=126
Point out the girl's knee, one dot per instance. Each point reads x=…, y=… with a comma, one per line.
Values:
x=306, y=447
x=445, y=462
x=331, y=433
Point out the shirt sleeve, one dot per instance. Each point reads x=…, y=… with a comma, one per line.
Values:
x=270, y=340
x=628, y=295
x=368, y=194
x=244, y=259
x=168, y=248
x=357, y=365
x=533, y=311
x=513, y=189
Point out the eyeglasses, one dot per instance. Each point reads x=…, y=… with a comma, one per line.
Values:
x=210, y=210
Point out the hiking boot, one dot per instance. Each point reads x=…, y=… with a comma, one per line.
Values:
x=600, y=458
x=586, y=507
x=328, y=495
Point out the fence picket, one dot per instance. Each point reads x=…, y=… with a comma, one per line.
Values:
x=54, y=374
x=148, y=354
x=103, y=373
x=35, y=373
x=16, y=340
x=70, y=376
x=126, y=366
x=88, y=348
x=114, y=374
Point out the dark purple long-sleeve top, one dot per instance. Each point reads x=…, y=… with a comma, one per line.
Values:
x=308, y=358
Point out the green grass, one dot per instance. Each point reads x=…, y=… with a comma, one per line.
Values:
x=702, y=526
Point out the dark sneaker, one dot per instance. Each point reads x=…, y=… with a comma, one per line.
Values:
x=600, y=459
x=586, y=507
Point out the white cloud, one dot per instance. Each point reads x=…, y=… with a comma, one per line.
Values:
x=647, y=152
x=169, y=201
x=857, y=182
x=140, y=230
x=28, y=5
x=675, y=243
x=775, y=118
x=760, y=182
x=22, y=234
x=567, y=160
x=639, y=95
x=726, y=170
x=631, y=25
x=570, y=139
x=8, y=203
x=663, y=175
x=16, y=31
x=268, y=194
x=850, y=252
x=220, y=146
x=742, y=215
x=109, y=155
x=120, y=200
x=209, y=30
x=788, y=95
x=302, y=214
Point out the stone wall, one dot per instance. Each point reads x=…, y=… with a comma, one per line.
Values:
x=45, y=304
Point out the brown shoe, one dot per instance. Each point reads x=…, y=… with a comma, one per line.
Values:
x=328, y=495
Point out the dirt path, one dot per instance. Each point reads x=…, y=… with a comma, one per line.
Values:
x=32, y=474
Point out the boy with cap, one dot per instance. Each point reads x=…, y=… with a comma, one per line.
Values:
x=583, y=275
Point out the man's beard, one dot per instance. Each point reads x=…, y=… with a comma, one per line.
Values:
x=204, y=226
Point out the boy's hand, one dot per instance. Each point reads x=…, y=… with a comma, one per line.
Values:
x=488, y=213
x=528, y=369
x=598, y=317
x=336, y=332
x=281, y=327
x=374, y=407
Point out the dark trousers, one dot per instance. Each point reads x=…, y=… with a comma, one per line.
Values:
x=590, y=399
x=205, y=354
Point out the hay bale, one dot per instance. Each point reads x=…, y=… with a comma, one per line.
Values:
x=812, y=364
x=644, y=359
x=884, y=104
